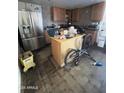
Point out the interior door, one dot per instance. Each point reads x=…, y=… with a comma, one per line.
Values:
x=37, y=22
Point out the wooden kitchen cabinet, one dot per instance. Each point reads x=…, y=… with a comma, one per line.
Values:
x=69, y=14
x=61, y=47
x=75, y=15
x=94, y=35
x=97, y=11
x=58, y=14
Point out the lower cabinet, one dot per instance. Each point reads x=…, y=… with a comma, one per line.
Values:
x=94, y=35
x=75, y=15
x=97, y=11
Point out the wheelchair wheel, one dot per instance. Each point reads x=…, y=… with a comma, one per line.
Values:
x=72, y=57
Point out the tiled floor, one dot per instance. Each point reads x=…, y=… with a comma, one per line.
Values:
x=46, y=78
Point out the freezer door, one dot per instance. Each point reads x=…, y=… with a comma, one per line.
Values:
x=33, y=43
x=30, y=44
x=25, y=24
x=37, y=22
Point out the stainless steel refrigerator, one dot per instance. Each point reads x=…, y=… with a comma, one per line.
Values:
x=31, y=29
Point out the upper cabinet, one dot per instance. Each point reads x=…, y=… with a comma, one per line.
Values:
x=58, y=14
x=69, y=15
x=75, y=15
x=97, y=12
x=62, y=15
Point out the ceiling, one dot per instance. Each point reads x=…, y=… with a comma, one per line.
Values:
x=67, y=3
x=74, y=3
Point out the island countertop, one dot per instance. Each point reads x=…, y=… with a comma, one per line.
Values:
x=63, y=40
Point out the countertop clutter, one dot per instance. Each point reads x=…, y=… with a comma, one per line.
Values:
x=65, y=33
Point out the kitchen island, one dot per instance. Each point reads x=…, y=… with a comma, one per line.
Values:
x=61, y=47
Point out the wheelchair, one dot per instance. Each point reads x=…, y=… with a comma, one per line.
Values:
x=74, y=55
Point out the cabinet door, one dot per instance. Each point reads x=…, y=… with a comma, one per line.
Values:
x=58, y=14
x=75, y=15
x=62, y=14
x=94, y=34
x=55, y=13
x=97, y=12
x=69, y=14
